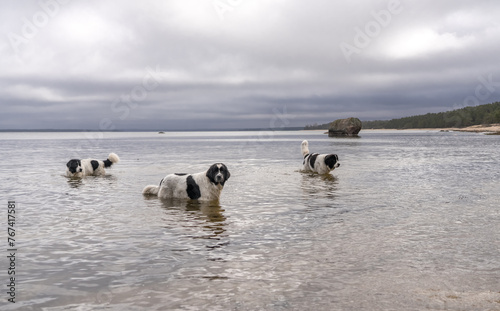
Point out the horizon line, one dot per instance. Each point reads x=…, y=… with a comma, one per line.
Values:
x=154, y=130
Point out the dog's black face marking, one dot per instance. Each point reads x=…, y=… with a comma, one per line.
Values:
x=331, y=159
x=212, y=171
x=193, y=190
x=218, y=174
x=312, y=159
x=95, y=164
x=180, y=174
x=74, y=166
x=107, y=163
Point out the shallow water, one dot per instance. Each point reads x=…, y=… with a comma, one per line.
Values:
x=408, y=222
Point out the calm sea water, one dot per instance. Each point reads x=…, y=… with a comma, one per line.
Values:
x=410, y=221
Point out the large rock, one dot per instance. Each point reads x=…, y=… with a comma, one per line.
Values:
x=349, y=127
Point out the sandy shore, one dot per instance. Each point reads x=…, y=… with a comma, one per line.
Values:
x=492, y=128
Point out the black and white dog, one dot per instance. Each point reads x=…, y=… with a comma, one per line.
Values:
x=319, y=163
x=86, y=167
x=204, y=186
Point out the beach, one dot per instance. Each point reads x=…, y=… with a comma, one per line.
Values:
x=491, y=128
x=488, y=128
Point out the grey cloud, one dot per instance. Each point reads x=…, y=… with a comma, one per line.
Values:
x=80, y=67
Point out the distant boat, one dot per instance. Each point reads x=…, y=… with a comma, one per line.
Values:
x=161, y=132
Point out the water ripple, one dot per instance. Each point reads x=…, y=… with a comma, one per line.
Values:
x=408, y=222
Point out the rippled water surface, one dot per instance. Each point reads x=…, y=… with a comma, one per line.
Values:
x=410, y=221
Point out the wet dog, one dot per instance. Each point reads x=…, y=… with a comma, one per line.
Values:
x=319, y=163
x=86, y=167
x=204, y=186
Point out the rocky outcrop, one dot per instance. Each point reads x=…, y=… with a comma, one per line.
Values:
x=349, y=127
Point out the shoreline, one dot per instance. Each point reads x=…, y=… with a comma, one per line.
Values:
x=492, y=128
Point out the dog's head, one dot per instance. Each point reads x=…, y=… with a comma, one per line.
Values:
x=218, y=174
x=332, y=161
x=74, y=166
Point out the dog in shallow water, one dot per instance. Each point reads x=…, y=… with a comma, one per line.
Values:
x=204, y=186
x=319, y=163
x=86, y=167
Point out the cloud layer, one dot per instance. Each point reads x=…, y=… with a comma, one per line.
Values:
x=232, y=64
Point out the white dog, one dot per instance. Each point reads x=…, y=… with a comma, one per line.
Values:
x=319, y=163
x=86, y=167
x=204, y=186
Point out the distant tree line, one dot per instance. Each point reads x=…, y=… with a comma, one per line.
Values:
x=317, y=126
x=473, y=115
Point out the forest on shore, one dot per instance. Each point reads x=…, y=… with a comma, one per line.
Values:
x=467, y=116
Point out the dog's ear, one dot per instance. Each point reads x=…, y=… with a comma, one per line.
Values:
x=67, y=164
x=330, y=160
x=225, y=171
x=212, y=171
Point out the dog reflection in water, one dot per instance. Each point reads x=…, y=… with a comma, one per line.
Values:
x=209, y=215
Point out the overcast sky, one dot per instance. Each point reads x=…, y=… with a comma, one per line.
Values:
x=221, y=64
